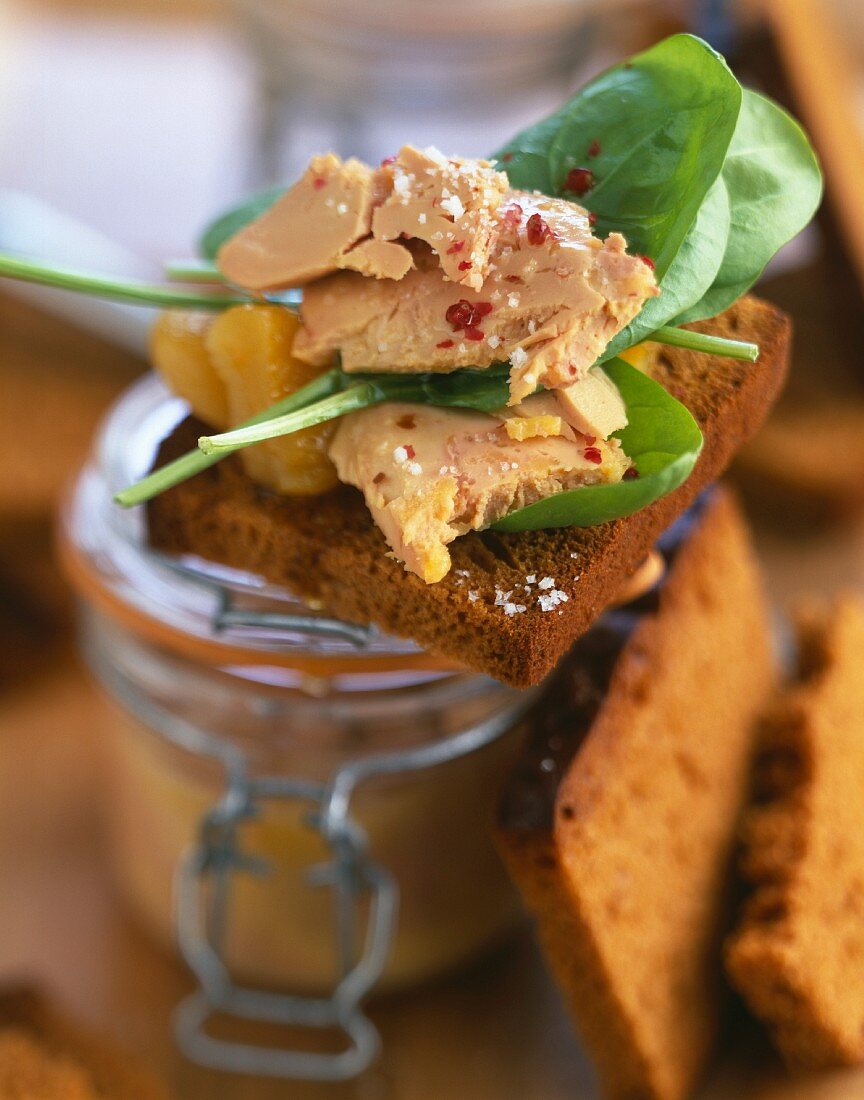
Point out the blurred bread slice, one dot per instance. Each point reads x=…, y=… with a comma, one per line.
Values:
x=620, y=826
x=797, y=955
x=790, y=477
x=44, y=1056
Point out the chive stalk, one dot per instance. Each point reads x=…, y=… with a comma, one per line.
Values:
x=106, y=286
x=195, y=462
x=703, y=341
x=193, y=271
x=360, y=396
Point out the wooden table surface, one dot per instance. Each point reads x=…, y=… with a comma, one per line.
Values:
x=497, y=1033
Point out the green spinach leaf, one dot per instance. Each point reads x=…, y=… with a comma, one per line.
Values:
x=661, y=437
x=774, y=184
x=233, y=220
x=663, y=122
x=525, y=158
x=690, y=274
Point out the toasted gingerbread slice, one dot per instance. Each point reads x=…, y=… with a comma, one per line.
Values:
x=797, y=955
x=619, y=828
x=328, y=550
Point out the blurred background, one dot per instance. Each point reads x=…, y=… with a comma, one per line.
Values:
x=124, y=126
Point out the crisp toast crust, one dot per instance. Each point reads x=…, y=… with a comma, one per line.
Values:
x=626, y=860
x=797, y=953
x=327, y=548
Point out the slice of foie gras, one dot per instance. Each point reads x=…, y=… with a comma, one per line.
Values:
x=448, y=202
x=318, y=226
x=431, y=474
x=554, y=297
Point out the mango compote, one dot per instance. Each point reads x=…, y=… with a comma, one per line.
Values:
x=641, y=356
x=178, y=349
x=232, y=366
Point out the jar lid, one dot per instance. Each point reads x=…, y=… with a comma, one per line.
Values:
x=203, y=610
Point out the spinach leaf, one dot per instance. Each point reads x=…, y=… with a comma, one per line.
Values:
x=233, y=220
x=484, y=390
x=690, y=274
x=663, y=121
x=525, y=158
x=774, y=183
x=661, y=437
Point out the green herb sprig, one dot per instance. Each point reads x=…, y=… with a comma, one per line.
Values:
x=107, y=286
x=483, y=391
x=661, y=437
x=196, y=462
x=325, y=398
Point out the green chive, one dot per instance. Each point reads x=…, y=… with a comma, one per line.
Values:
x=193, y=271
x=360, y=396
x=106, y=286
x=702, y=341
x=195, y=462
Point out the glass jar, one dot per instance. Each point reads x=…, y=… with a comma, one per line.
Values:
x=360, y=79
x=319, y=795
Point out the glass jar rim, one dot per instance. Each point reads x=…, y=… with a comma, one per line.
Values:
x=205, y=611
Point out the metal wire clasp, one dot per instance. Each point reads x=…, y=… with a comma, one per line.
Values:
x=361, y=887
x=201, y=921
x=202, y=890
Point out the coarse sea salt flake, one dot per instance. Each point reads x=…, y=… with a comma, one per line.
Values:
x=400, y=455
x=550, y=600
x=415, y=468
x=547, y=582
x=493, y=341
x=342, y=208
x=511, y=609
x=421, y=219
x=453, y=205
x=519, y=357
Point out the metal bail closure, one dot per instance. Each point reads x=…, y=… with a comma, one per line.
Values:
x=205, y=873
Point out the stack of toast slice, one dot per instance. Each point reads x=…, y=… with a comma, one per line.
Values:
x=666, y=742
x=620, y=827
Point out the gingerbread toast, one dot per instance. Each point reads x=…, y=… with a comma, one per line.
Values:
x=797, y=955
x=619, y=828
x=327, y=549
